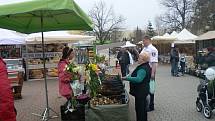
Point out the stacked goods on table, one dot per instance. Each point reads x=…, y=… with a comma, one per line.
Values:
x=111, y=98
x=190, y=62
x=111, y=91
x=16, y=79
x=36, y=74
x=53, y=72
x=190, y=65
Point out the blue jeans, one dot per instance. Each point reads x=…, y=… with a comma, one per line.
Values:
x=174, y=68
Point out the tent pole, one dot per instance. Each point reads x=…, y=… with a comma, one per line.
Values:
x=45, y=115
x=44, y=67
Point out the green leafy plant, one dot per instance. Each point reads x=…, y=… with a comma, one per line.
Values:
x=93, y=79
x=74, y=70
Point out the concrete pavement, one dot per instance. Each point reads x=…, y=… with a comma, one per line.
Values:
x=174, y=99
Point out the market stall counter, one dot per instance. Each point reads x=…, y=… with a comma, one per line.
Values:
x=118, y=112
x=16, y=79
x=16, y=74
x=112, y=102
x=109, y=102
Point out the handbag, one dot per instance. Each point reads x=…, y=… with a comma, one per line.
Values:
x=152, y=86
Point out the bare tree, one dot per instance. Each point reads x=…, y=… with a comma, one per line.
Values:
x=105, y=21
x=204, y=16
x=179, y=12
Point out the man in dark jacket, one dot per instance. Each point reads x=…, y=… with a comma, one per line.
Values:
x=7, y=112
x=210, y=57
x=124, y=61
x=174, y=59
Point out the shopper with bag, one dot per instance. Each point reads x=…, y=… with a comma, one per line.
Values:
x=139, y=85
x=64, y=76
x=7, y=109
x=153, y=53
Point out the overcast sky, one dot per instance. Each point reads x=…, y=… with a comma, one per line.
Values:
x=136, y=12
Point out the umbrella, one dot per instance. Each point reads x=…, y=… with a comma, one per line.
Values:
x=40, y=16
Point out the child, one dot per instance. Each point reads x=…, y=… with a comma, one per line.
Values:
x=182, y=63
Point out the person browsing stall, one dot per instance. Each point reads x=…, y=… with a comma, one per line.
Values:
x=64, y=77
x=139, y=85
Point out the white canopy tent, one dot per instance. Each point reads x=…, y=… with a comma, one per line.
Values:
x=58, y=37
x=174, y=34
x=8, y=37
x=207, y=36
x=185, y=37
x=163, y=39
x=128, y=44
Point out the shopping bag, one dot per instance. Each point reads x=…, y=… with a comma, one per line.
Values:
x=152, y=86
x=77, y=87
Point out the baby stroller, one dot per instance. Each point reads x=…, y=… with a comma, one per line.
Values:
x=206, y=98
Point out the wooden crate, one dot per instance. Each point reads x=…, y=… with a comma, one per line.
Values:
x=16, y=79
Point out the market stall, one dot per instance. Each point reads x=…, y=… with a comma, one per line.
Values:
x=185, y=42
x=163, y=44
x=206, y=40
x=112, y=102
x=11, y=50
x=54, y=41
x=103, y=97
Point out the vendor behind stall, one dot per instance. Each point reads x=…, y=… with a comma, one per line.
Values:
x=139, y=85
x=210, y=56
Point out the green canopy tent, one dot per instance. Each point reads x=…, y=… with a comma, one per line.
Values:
x=40, y=16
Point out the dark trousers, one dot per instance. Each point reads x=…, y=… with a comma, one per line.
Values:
x=174, y=68
x=151, y=104
x=182, y=64
x=140, y=107
x=124, y=69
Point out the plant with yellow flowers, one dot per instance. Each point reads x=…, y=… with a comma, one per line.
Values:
x=93, y=79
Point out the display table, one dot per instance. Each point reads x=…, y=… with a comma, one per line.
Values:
x=16, y=79
x=108, y=113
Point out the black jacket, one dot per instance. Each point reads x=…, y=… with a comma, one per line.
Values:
x=123, y=57
x=140, y=90
x=210, y=59
x=174, y=55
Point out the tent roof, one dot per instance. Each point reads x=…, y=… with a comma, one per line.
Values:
x=163, y=38
x=112, y=45
x=185, y=35
x=8, y=37
x=128, y=44
x=174, y=34
x=166, y=35
x=184, y=41
x=206, y=36
x=57, y=37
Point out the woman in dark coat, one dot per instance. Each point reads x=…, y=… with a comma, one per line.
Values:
x=139, y=85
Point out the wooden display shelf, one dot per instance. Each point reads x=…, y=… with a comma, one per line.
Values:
x=48, y=78
x=16, y=79
x=39, y=66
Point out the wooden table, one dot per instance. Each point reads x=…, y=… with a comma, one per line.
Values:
x=16, y=78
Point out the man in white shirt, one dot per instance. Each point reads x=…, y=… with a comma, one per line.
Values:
x=153, y=52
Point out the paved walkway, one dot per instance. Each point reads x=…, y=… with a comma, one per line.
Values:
x=174, y=99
